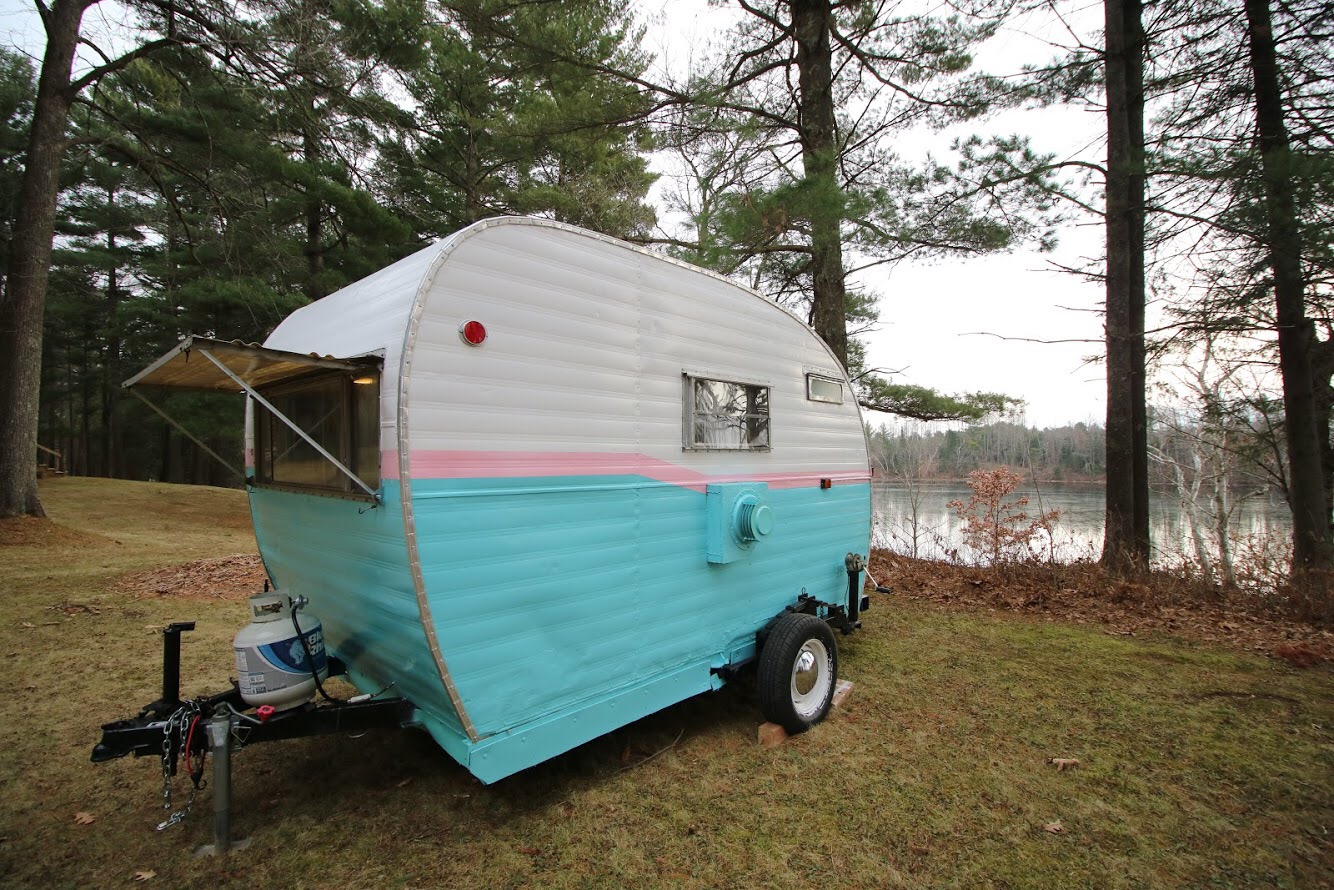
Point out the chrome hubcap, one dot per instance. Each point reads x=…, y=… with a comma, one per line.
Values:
x=811, y=679
x=806, y=674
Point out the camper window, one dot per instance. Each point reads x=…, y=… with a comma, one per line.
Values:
x=724, y=415
x=824, y=389
x=340, y=413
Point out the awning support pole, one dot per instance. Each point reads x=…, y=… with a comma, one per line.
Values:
x=296, y=429
x=184, y=432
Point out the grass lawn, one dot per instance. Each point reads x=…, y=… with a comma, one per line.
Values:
x=1199, y=766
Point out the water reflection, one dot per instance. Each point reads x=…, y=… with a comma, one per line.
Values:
x=1258, y=519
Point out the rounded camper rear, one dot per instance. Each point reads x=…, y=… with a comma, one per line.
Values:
x=588, y=515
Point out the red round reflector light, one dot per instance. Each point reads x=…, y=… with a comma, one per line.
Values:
x=472, y=332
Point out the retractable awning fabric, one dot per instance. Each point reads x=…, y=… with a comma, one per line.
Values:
x=184, y=368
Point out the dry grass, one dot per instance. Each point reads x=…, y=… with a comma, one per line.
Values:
x=1200, y=766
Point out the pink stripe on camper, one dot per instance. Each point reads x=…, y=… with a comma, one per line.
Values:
x=528, y=464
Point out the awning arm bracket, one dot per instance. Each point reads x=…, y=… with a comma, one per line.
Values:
x=250, y=390
x=189, y=435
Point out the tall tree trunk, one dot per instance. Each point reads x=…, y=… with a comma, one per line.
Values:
x=110, y=357
x=473, y=208
x=310, y=150
x=85, y=377
x=1322, y=367
x=30, y=264
x=811, y=23
x=1296, y=334
x=1126, y=545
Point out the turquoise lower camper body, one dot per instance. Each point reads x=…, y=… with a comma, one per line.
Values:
x=540, y=612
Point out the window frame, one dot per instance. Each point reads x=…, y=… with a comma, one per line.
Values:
x=688, y=414
x=812, y=376
x=348, y=444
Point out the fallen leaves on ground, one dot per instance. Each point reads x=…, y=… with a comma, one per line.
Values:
x=72, y=609
x=1303, y=654
x=1084, y=594
x=223, y=577
x=29, y=531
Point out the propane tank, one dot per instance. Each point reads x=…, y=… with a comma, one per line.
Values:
x=271, y=665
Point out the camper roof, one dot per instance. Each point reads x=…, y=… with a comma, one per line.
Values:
x=256, y=365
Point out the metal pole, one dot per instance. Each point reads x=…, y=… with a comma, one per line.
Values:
x=220, y=743
x=171, y=661
x=220, y=735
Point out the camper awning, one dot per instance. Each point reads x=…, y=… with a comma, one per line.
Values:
x=201, y=363
x=184, y=368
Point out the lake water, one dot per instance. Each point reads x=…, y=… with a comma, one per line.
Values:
x=1259, y=521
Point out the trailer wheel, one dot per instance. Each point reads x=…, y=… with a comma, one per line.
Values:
x=798, y=667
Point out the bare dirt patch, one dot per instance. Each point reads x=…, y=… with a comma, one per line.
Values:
x=223, y=577
x=1084, y=594
x=30, y=531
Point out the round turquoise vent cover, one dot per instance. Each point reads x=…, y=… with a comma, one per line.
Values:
x=751, y=519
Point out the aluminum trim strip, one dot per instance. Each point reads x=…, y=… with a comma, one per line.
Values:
x=405, y=490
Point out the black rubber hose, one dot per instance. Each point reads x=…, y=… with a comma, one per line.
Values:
x=305, y=647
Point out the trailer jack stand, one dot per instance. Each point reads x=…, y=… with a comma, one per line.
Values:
x=220, y=742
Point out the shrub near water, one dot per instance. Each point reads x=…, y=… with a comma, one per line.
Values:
x=997, y=529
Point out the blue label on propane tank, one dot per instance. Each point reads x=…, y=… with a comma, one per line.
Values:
x=290, y=656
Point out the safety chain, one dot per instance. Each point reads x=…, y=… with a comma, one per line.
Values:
x=179, y=725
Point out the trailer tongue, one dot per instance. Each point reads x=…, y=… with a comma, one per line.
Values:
x=173, y=730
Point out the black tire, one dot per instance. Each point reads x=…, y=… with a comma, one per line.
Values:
x=798, y=672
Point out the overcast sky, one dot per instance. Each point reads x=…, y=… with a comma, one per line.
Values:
x=942, y=323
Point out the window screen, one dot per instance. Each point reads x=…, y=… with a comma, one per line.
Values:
x=341, y=415
x=725, y=415
x=824, y=389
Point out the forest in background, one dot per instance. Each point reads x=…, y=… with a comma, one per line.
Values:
x=1071, y=453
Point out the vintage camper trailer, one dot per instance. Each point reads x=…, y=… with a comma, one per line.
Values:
x=542, y=483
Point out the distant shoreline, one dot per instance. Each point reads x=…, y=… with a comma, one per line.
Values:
x=963, y=480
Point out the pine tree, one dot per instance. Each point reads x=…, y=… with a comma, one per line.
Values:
x=513, y=113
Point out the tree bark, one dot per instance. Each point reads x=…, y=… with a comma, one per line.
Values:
x=811, y=23
x=310, y=152
x=30, y=264
x=110, y=355
x=1126, y=545
x=1322, y=367
x=1306, y=493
